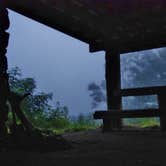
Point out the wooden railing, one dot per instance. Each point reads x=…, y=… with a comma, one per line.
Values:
x=160, y=91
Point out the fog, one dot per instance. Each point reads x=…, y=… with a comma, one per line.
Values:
x=59, y=63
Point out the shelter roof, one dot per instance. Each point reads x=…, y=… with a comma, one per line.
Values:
x=121, y=25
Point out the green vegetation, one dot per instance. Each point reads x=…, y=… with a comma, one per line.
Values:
x=55, y=118
x=42, y=114
x=142, y=122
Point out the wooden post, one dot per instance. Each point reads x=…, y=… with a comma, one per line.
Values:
x=162, y=109
x=4, y=85
x=113, y=84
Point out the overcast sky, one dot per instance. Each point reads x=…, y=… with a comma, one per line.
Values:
x=59, y=63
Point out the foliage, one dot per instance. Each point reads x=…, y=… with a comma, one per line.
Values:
x=97, y=93
x=146, y=68
x=41, y=113
x=142, y=122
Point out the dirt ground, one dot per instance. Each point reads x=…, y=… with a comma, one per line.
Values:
x=94, y=148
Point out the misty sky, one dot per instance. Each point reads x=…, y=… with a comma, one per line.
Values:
x=59, y=63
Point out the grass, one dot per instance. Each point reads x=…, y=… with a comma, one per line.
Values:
x=63, y=125
x=88, y=125
x=136, y=122
x=74, y=129
x=142, y=122
x=86, y=122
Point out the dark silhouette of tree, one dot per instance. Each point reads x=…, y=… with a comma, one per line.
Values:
x=96, y=93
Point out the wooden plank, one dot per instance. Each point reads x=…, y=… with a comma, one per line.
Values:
x=96, y=47
x=143, y=91
x=128, y=47
x=127, y=114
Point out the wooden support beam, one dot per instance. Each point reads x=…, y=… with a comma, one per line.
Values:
x=132, y=46
x=4, y=84
x=162, y=108
x=127, y=114
x=113, y=86
x=96, y=47
x=143, y=91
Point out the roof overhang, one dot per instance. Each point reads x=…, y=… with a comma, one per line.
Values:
x=121, y=25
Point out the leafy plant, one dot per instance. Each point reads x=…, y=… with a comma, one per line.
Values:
x=41, y=113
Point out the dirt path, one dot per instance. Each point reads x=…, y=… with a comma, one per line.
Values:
x=94, y=148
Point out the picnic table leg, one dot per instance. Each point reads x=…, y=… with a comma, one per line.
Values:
x=162, y=108
x=113, y=86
